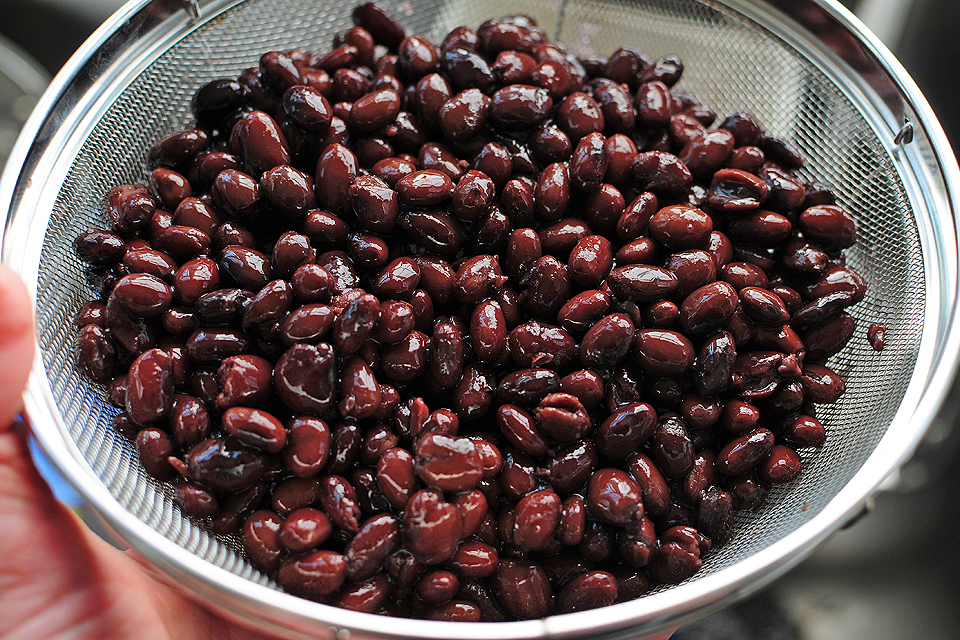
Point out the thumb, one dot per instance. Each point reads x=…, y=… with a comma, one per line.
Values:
x=16, y=343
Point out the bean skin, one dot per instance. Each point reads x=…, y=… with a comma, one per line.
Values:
x=625, y=430
x=396, y=476
x=431, y=527
x=538, y=344
x=520, y=428
x=255, y=428
x=523, y=589
x=150, y=387
x=314, y=576
x=614, y=497
x=450, y=464
x=706, y=308
x=642, y=283
x=562, y=417
x=305, y=378
x=535, y=519
x=336, y=171
x=590, y=261
x=589, y=591
x=571, y=466
x=745, y=452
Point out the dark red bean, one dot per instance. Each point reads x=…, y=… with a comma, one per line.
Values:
x=431, y=527
x=830, y=226
x=474, y=559
x=571, y=466
x=821, y=384
x=547, y=287
x=591, y=590
x=308, y=446
x=520, y=428
x=450, y=464
x=579, y=115
x=374, y=111
x=678, y=557
x=760, y=227
x=96, y=353
x=663, y=352
x=177, y=148
x=654, y=104
x=313, y=576
x=654, y=490
x=590, y=261
x=467, y=69
x=289, y=191
x=520, y=106
x=876, y=335
x=150, y=387
x=708, y=307
x=217, y=99
x=245, y=380
x=541, y=345
x=375, y=541
x=433, y=229
x=304, y=529
x=745, y=452
x=585, y=385
x=256, y=428
x=100, y=248
x=642, y=283
x=336, y=171
x=305, y=378
x=488, y=331
x=536, y=518
x=261, y=539
x=562, y=417
x=763, y=307
x=607, y=341
x=693, y=269
x=681, y=227
x=523, y=589
x=464, y=115
x=224, y=464
x=196, y=501
x=715, y=516
x=672, y=448
x=262, y=143
x=472, y=195
x=589, y=163
x=406, y=359
x=614, y=497
x=625, y=430
x=781, y=466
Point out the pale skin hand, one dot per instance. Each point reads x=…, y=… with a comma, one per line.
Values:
x=57, y=578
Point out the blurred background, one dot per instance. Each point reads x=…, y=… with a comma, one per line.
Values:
x=889, y=575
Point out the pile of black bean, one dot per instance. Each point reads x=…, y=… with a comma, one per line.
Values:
x=477, y=331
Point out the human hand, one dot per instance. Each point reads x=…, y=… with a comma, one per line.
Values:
x=61, y=579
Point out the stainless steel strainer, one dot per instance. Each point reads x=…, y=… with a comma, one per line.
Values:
x=806, y=69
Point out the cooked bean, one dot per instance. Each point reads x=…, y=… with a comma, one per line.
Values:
x=477, y=222
x=431, y=527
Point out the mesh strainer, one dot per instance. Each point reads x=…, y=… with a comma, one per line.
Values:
x=809, y=72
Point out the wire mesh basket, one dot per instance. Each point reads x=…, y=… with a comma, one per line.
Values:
x=805, y=69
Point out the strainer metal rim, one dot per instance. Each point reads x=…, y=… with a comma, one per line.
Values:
x=23, y=185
